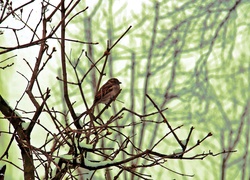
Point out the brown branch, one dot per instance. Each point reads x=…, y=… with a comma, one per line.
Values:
x=20, y=7
x=166, y=121
x=21, y=137
x=6, y=152
x=64, y=69
x=76, y=41
x=37, y=114
x=119, y=39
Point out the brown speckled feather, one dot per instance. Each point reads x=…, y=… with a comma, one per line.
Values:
x=107, y=91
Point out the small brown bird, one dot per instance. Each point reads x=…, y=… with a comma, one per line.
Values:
x=108, y=91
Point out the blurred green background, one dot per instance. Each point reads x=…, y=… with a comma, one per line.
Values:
x=189, y=56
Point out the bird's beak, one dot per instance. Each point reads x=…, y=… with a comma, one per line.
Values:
x=119, y=82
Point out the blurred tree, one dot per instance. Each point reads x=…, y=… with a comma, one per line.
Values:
x=191, y=58
x=188, y=56
x=208, y=73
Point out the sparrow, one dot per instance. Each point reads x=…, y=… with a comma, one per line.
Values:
x=108, y=92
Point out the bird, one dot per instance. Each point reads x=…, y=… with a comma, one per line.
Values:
x=107, y=92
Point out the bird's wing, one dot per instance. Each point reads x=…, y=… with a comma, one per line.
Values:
x=105, y=89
